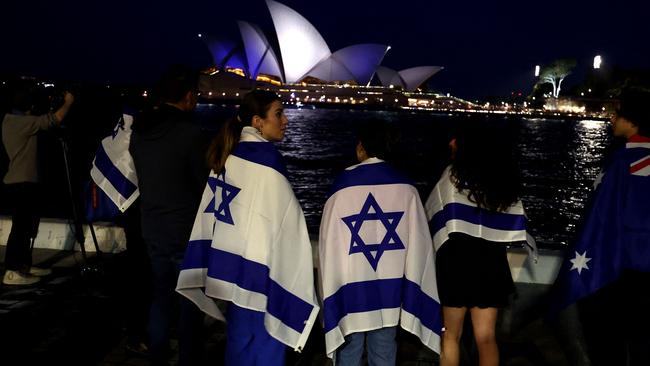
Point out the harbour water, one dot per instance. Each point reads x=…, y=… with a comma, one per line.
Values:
x=559, y=159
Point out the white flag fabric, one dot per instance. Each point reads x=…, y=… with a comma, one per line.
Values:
x=250, y=245
x=377, y=264
x=451, y=211
x=113, y=170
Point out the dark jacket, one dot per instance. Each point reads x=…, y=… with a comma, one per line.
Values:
x=169, y=155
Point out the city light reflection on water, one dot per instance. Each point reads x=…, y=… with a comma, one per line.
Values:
x=559, y=160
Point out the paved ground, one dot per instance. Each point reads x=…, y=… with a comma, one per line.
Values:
x=76, y=317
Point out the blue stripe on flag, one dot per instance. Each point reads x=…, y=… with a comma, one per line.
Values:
x=360, y=297
x=121, y=183
x=196, y=254
x=485, y=218
x=422, y=306
x=252, y=276
x=263, y=153
x=368, y=174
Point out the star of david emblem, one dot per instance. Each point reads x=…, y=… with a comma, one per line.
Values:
x=118, y=127
x=228, y=193
x=371, y=211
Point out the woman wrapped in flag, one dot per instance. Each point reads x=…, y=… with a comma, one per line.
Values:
x=474, y=211
x=249, y=244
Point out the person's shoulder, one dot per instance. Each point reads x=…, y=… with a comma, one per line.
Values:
x=262, y=153
x=380, y=173
x=24, y=120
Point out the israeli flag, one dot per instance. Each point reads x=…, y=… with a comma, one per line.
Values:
x=113, y=170
x=250, y=245
x=377, y=264
x=451, y=211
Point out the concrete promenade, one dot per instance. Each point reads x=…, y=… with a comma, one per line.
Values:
x=77, y=317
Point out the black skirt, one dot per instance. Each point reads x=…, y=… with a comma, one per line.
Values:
x=473, y=272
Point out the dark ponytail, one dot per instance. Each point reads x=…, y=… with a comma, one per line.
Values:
x=255, y=103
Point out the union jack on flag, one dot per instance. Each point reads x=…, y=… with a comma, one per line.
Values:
x=641, y=167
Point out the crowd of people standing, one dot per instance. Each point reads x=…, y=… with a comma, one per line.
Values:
x=224, y=232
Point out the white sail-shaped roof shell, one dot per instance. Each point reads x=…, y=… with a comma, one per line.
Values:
x=357, y=62
x=259, y=54
x=416, y=76
x=408, y=79
x=388, y=76
x=225, y=53
x=301, y=46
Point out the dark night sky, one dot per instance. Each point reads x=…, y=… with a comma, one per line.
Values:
x=486, y=47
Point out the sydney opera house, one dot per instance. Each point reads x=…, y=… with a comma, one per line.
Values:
x=302, y=68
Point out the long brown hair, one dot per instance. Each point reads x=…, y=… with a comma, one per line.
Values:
x=255, y=103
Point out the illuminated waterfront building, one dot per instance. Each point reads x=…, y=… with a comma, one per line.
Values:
x=304, y=55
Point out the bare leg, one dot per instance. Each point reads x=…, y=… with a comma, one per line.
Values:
x=453, y=321
x=484, y=323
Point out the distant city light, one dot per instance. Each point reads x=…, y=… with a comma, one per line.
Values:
x=597, y=61
x=200, y=35
x=144, y=94
x=537, y=68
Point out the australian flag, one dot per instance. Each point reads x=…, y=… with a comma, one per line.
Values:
x=616, y=232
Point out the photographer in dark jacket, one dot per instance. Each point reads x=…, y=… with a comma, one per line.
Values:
x=169, y=155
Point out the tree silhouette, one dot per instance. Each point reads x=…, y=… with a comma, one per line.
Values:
x=555, y=73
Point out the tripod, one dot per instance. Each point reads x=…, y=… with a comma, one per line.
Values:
x=77, y=220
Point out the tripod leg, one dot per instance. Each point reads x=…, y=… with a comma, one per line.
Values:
x=92, y=233
x=78, y=228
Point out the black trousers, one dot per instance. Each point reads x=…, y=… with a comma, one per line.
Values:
x=135, y=274
x=23, y=201
x=616, y=320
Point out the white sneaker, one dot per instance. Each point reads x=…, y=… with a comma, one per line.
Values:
x=39, y=272
x=17, y=278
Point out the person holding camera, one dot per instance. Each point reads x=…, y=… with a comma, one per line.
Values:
x=19, y=137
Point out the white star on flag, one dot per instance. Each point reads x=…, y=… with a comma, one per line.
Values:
x=598, y=180
x=580, y=262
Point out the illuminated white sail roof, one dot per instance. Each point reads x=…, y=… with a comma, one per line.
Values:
x=301, y=46
x=357, y=63
x=408, y=79
x=416, y=76
x=225, y=53
x=259, y=54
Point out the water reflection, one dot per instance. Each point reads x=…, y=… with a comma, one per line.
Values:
x=559, y=160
